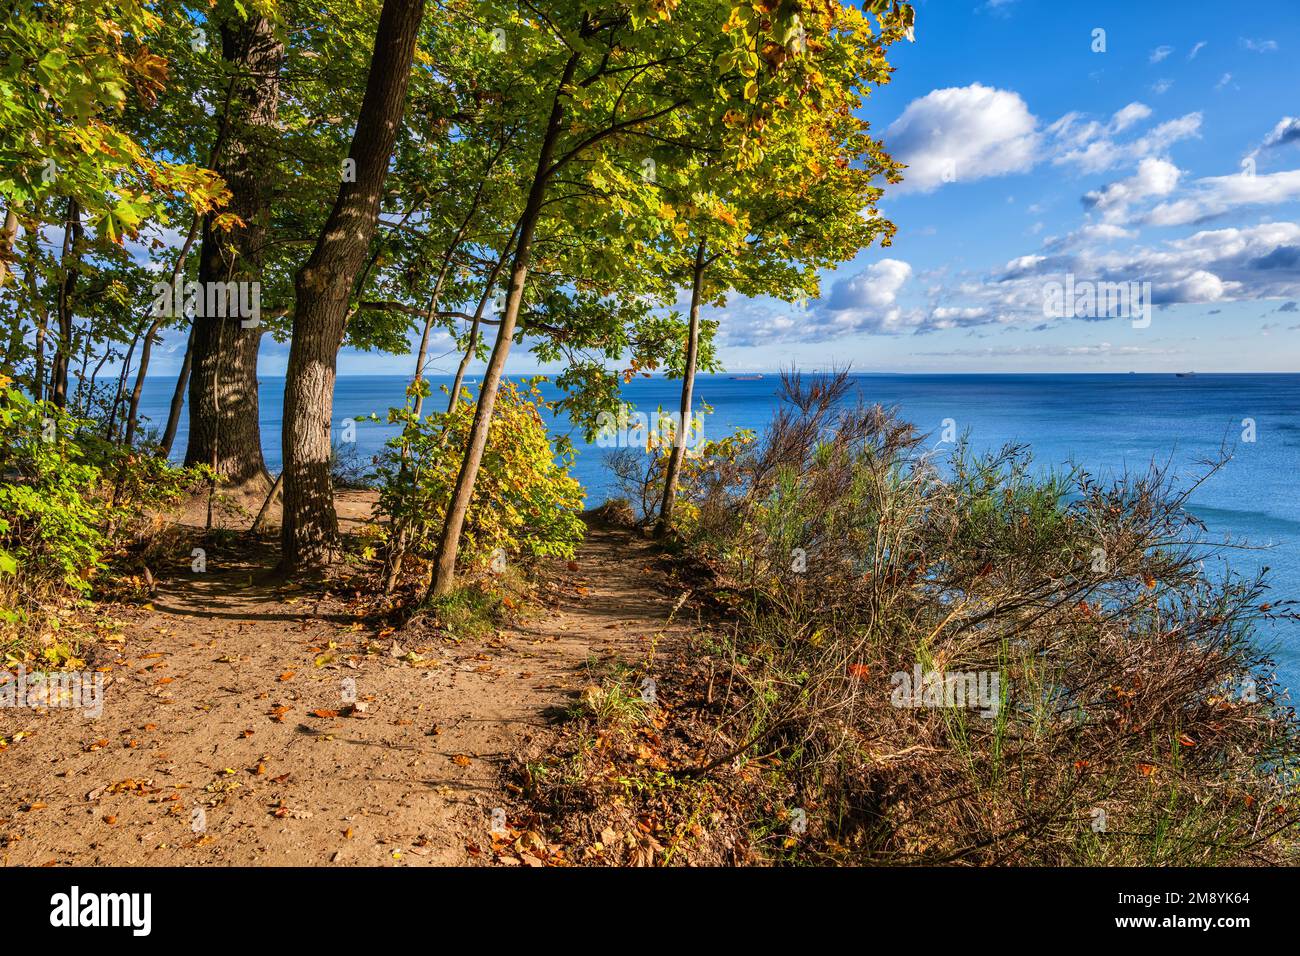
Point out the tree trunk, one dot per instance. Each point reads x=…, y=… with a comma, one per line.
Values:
x=323, y=286
x=422, y=353
x=178, y=399
x=444, y=573
x=120, y=392
x=472, y=348
x=8, y=235
x=665, y=523
x=397, y=552
x=225, y=431
x=133, y=408
x=133, y=411
x=72, y=235
x=31, y=241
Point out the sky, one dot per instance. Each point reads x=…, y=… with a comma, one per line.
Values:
x=1165, y=149
x=1150, y=146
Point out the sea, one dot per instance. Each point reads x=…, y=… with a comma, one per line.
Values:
x=1104, y=423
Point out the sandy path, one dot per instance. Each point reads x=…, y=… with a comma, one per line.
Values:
x=221, y=699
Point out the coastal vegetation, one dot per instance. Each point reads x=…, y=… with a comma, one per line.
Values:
x=942, y=661
x=898, y=660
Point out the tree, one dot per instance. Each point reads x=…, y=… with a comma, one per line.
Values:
x=225, y=431
x=323, y=289
x=605, y=77
x=69, y=74
x=809, y=200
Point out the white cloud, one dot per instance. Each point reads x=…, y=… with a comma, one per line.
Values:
x=1259, y=262
x=973, y=132
x=1196, y=49
x=1258, y=46
x=1154, y=177
x=1160, y=87
x=1159, y=53
x=1091, y=233
x=963, y=133
x=867, y=301
x=1092, y=148
x=1102, y=349
x=1286, y=131
x=1126, y=117
x=1216, y=195
x=1198, y=286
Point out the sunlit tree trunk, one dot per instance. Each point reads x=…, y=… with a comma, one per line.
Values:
x=225, y=431
x=9, y=233
x=665, y=523
x=323, y=287
x=444, y=573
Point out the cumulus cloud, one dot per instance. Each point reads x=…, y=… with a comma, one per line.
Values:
x=963, y=133
x=1221, y=265
x=1215, y=195
x=1154, y=177
x=1091, y=233
x=867, y=301
x=1286, y=131
x=1254, y=263
x=1092, y=148
x=1213, y=265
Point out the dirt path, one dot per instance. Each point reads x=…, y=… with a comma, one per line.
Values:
x=219, y=743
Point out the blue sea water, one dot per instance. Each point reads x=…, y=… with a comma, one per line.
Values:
x=1103, y=423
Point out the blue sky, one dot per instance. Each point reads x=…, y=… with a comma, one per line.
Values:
x=1033, y=157
x=1122, y=165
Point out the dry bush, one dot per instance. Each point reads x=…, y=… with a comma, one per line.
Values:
x=1135, y=722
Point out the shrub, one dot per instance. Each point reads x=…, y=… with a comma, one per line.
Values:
x=639, y=473
x=67, y=499
x=525, y=501
x=1127, y=716
x=51, y=510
